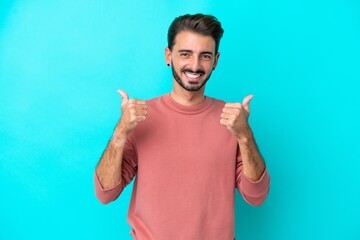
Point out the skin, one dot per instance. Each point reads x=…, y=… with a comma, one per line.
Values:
x=195, y=52
x=191, y=52
x=108, y=170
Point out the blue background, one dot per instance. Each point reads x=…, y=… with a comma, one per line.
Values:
x=62, y=61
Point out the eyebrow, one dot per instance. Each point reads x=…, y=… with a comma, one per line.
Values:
x=190, y=51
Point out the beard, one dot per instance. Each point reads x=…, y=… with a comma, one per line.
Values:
x=194, y=85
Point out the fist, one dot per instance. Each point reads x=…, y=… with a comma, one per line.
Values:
x=133, y=111
x=235, y=117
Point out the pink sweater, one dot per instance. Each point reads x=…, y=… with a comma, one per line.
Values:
x=187, y=166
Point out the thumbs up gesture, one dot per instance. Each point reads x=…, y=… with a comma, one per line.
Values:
x=235, y=117
x=134, y=111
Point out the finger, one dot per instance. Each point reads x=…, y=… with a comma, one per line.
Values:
x=227, y=121
x=137, y=101
x=124, y=96
x=136, y=107
x=246, y=102
x=233, y=105
x=224, y=122
x=141, y=118
x=228, y=116
x=141, y=113
x=231, y=110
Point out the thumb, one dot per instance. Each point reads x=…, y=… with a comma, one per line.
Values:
x=124, y=96
x=246, y=102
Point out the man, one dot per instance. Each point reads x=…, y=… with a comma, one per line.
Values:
x=187, y=150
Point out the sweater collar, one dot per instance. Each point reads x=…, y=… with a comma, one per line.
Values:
x=195, y=109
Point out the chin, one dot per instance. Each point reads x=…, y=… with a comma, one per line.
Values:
x=193, y=87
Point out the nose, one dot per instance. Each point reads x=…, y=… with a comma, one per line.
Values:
x=195, y=64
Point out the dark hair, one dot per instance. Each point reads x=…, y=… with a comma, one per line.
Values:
x=206, y=25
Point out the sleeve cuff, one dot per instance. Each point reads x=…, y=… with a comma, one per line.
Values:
x=98, y=184
x=258, y=188
x=106, y=195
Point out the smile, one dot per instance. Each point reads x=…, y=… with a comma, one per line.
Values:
x=193, y=76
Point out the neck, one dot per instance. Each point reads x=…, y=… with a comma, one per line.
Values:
x=187, y=98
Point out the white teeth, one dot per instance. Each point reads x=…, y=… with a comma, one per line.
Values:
x=192, y=75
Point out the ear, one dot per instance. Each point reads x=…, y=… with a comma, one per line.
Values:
x=216, y=59
x=168, y=56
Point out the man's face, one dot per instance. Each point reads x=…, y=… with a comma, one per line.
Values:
x=192, y=59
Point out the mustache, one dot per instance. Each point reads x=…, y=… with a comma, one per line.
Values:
x=199, y=71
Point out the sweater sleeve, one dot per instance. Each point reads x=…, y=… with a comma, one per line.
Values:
x=253, y=193
x=128, y=171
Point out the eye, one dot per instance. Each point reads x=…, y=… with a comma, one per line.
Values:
x=206, y=57
x=185, y=55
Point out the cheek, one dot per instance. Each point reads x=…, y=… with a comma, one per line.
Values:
x=182, y=62
x=209, y=66
x=179, y=65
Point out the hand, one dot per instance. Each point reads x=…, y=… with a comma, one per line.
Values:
x=134, y=111
x=235, y=117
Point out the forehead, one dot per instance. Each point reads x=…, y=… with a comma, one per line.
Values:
x=193, y=41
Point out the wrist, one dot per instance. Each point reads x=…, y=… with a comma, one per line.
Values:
x=245, y=136
x=120, y=135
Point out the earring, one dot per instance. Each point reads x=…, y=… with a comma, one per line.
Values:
x=168, y=65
